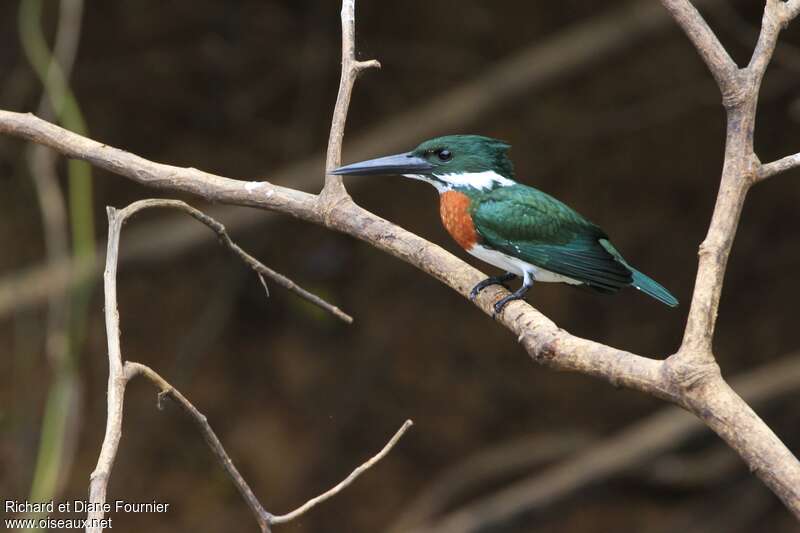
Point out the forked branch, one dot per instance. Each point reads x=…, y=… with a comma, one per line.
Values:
x=257, y=266
x=778, y=167
x=712, y=52
x=121, y=373
x=351, y=68
x=690, y=378
x=741, y=168
x=264, y=518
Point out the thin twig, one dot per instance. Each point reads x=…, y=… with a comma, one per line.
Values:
x=521, y=74
x=541, y=338
x=772, y=22
x=264, y=518
x=690, y=378
x=120, y=374
x=777, y=167
x=310, y=504
x=98, y=484
x=118, y=377
x=257, y=266
x=351, y=68
x=132, y=370
x=787, y=55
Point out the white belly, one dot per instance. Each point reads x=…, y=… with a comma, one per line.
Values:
x=518, y=266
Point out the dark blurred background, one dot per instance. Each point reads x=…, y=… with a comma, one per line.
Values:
x=616, y=116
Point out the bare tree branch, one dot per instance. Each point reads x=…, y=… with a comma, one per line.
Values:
x=131, y=370
x=690, y=378
x=740, y=27
x=777, y=167
x=664, y=430
x=263, y=517
x=693, y=368
x=351, y=67
x=98, y=484
x=310, y=504
x=523, y=73
x=544, y=341
x=257, y=266
x=740, y=170
x=717, y=59
x=120, y=374
x=773, y=20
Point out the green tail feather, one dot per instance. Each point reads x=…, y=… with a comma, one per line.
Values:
x=645, y=284
x=652, y=288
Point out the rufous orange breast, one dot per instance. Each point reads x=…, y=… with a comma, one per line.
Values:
x=454, y=210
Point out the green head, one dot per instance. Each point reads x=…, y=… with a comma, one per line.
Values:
x=449, y=162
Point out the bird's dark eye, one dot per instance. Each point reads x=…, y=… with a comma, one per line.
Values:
x=445, y=155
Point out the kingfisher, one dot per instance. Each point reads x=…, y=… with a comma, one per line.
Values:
x=512, y=226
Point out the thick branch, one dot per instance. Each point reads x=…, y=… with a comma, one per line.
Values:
x=740, y=169
x=540, y=336
x=693, y=369
x=543, y=340
x=523, y=73
x=690, y=378
x=665, y=430
x=119, y=375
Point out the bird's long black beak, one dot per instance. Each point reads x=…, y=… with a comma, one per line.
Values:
x=406, y=163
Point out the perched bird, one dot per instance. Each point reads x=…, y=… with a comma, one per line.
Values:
x=512, y=226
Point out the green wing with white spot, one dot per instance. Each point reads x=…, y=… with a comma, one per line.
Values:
x=533, y=226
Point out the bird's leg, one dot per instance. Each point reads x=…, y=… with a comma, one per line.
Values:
x=494, y=280
x=527, y=283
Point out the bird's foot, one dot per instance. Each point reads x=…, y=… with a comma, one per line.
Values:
x=519, y=294
x=494, y=280
x=500, y=305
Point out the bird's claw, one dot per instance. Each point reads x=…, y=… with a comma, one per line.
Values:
x=500, y=305
x=476, y=290
x=497, y=280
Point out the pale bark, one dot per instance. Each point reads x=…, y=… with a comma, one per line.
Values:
x=690, y=378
